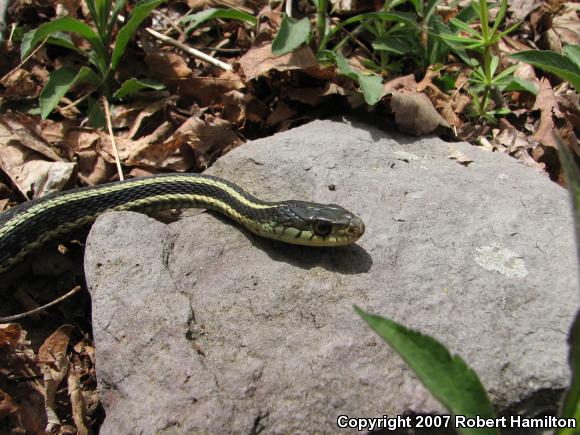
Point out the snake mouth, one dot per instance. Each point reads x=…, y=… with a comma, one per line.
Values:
x=341, y=234
x=355, y=229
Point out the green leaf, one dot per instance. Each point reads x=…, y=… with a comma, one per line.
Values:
x=447, y=377
x=573, y=178
x=213, y=13
x=468, y=14
x=87, y=75
x=371, y=85
x=393, y=44
x=552, y=62
x=140, y=12
x=291, y=35
x=465, y=27
x=117, y=8
x=58, y=84
x=64, y=40
x=64, y=24
x=499, y=16
x=398, y=17
x=518, y=84
x=571, y=404
x=134, y=85
x=460, y=39
x=572, y=52
x=96, y=114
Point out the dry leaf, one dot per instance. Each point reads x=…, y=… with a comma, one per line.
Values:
x=21, y=402
x=443, y=102
x=546, y=103
x=19, y=84
x=415, y=114
x=461, y=158
x=53, y=362
x=195, y=142
x=29, y=160
x=565, y=29
x=78, y=403
x=258, y=61
x=281, y=113
x=87, y=147
x=10, y=334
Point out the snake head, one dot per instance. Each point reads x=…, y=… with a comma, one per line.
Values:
x=312, y=224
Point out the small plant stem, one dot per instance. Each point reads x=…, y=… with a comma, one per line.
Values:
x=487, y=73
x=484, y=19
x=39, y=309
x=190, y=50
x=288, y=8
x=112, y=136
x=483, y=11
x=321, y=23
x=16, y=68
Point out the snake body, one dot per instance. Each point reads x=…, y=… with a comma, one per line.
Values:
x=31, y=225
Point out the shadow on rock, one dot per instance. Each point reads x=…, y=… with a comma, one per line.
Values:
x=346, y=260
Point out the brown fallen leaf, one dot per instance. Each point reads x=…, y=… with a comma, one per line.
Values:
x=565, y=28
x=460, y=158
x=78, y=403
x=20, y=84
x=415, y=114
x=10, y=334
x=21, y=399
x=234, y=107
x=53, y=362
x=281, y=113
x=29, y=160
x=195, y=143
x=547, y=104
x=173, y=71
x=258, y=61
x=444, y=103
x=88, y=148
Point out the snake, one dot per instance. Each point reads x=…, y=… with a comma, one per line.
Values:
x=33, y=224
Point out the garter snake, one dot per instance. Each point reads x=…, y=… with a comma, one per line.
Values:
x=31, y=225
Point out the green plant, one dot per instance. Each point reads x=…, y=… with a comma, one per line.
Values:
x=102, y=59
x=485, y=77
x=293, y=33
x=566, y=66
x=199, y=18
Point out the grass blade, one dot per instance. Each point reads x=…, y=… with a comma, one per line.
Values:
x=140, y=12
x=134, y=85
x=213, y=13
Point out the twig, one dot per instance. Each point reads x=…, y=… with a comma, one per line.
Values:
x=17, y=67
x=42, y=308
x=289, y=8
x=190, y=50
x=79, y=100
x=112, y=136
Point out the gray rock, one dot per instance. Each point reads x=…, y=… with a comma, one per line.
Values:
x=201, y=326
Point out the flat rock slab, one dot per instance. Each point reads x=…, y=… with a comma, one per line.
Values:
x=201, y=326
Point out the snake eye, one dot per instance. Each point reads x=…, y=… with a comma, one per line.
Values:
x=322, y=228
